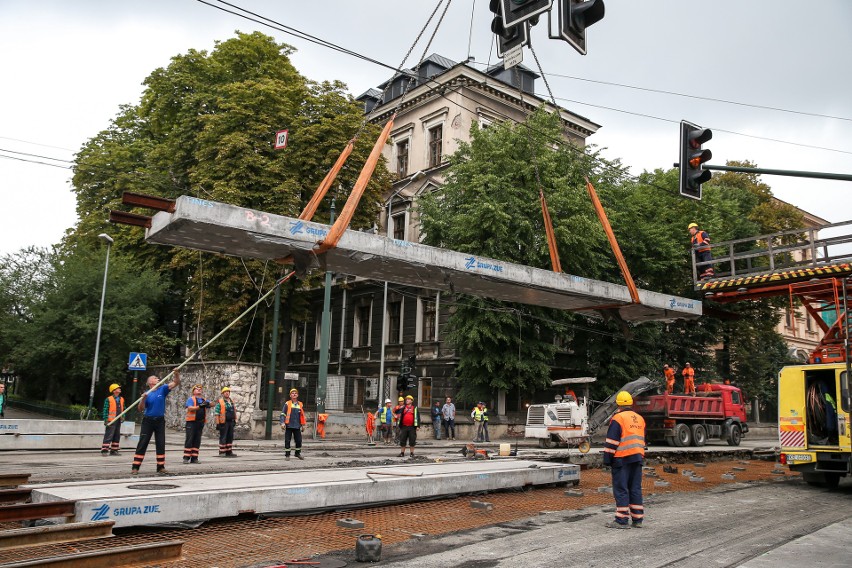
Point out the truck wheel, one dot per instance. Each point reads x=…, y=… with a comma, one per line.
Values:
x=736, y=435
x=682, y=435
x=670, y=441
x=545, y=443
x=699, y=435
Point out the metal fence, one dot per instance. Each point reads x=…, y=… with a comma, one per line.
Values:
x=346, y=393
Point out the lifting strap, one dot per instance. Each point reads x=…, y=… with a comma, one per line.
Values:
x=319, y=194
x=551, y=236
x=342, y=222
x=613, y=243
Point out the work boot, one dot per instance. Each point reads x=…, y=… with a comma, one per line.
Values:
x=221, y=454
x=115, y=453
x=194, y=460
x=185, y=460
x=299, y=457
x=616, y=525
x=104, y=453
x=134, y=471
x=401, y=454
x=637, y=525
x=230, y=455
x=287, y=456
x=163, y=471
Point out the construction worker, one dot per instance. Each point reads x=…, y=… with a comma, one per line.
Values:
x=701, y=245
x=624, y=452
x=480, y=419
x=408, y=419
x=113, y=406
x=400, y=403
x=386, y=420
x=226, y=420
x=293, y=423
x=669, y=373
x=196, y=416
x=436, y=419
x=688, y=379
x=153, y=408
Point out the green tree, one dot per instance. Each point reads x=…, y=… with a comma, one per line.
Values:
x=205, y=127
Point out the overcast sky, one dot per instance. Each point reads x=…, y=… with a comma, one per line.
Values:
x=66, y=66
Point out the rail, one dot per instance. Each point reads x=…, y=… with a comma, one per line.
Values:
x=784, y=250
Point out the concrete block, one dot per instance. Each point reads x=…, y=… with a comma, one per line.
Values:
x=482, y=505
x=735, y=468
x=729, y=476
x=605, y=489
x=687, y=472
x=350, y=523
x=696, y=479
x=661, y=484
x=700, y=464
x=669, y=469
x=574, y=493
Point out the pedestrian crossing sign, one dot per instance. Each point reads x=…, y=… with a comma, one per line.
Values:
x=138, y=362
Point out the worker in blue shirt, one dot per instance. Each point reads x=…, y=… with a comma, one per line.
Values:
x=153, y=408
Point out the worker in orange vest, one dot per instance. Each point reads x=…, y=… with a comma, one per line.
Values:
x=669, y=373
x=293, y=423
x=624, y=452
x=113, y=406
x=701, y=245
x=196, y=416
x=226, y=420
x=688, y=379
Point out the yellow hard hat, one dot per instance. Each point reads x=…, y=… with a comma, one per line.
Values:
x=691, y=225
x=401, y=399
x=197, y=386
x=226, y=389
x=114, y=386
x=294, y=391
x=624, y=399
x=409, y=397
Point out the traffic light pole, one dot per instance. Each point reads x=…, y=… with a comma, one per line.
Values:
x=325, y=330
x=765, y=171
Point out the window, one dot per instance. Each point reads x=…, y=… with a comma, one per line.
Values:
x=399, y=226
x=436, y=134
x=402, y=158
x=362, y=325
x=298, y=338
x=318, y=331
x=809, y=323
x=394, y=322
x=788, y=317
x=735, y=397
x=429, y=320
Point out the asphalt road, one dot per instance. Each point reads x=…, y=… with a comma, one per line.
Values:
x=767, y=525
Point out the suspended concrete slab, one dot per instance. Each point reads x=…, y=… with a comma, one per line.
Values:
x=150, y=501
x=236, y=231
x=41, y=434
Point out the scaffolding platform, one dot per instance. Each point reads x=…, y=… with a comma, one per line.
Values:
x=236, y=231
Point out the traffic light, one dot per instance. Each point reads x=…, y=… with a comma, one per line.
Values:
x=574, y=17
x=514, y=12
x=508, y=36
x=692, y=156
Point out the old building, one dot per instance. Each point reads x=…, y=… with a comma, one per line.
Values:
x=376, y=326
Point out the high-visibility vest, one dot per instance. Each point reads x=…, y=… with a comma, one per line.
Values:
x=632, y=434
x=670, y=374
x=688, y=373
x=115, y=409
x=220, y=418
x=385, y=415
x=290, y=405
x=480, y=415
x=190, y=412
x=698, y=239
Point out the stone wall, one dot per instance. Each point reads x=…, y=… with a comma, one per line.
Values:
x=243, y=378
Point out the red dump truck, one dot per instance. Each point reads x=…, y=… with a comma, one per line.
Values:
x=716, y=412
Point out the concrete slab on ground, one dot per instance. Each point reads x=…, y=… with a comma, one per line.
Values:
x=46, y=434
x=167, y=499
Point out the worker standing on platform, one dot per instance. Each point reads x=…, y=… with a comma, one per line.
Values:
x=196, y=416
x=409, y=421
x=480, y=419
x=386, y=419
x=226, y=422
x=669, y=373
x=153, y=408
x=293, y=423
x=113, y=406
x=688, y=379
x=701, y=245
x=624, y=452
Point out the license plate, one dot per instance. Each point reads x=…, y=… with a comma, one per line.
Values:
x=799, y=457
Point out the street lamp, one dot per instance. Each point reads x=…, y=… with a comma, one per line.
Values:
x=109, y=242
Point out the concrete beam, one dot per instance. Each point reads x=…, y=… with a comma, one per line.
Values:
x=49, y=427
x=236, y=231
x=199, y=497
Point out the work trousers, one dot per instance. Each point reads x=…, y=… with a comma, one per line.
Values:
x=627, y=489
x=387, y=432
x=151, y=426
x=193, y=439
x=226, y=437
x=482, y=432
x=436, y=426
x=112, y=436
x=689, y=386
x=449, y=427
x=294, y=434
x=407, y=436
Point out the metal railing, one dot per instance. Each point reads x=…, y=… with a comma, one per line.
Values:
x=794, y=248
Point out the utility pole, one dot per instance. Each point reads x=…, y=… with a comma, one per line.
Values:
x=273, y=363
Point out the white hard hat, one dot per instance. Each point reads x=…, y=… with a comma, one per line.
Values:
x=387, y=400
